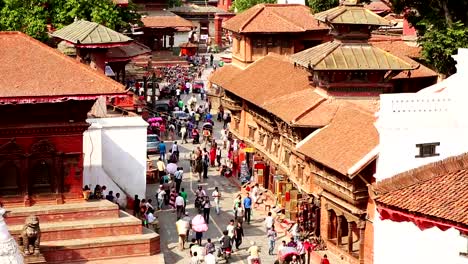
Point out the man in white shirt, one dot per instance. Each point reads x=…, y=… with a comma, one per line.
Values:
x=161, y=194
x=254, y=195
x=231, y=228
x=216, y=195
x=210, y=259
x=269, y=221
x=179, y=203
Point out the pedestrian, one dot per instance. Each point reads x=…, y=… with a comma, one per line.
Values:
x=184, y=195
x=206, y=209
x=212, y=156
x=175, y=150
x=301, y=250
x=136, y=206
x=271, y=235
x=206, y=164
x=295, y=231
x=211, y=60
x=218, y=156
x=183, y=134
x=292, y=243
x=254, y=252
x=182, y=228
x=248, y=208
x=179, y=203
x=237, y=203
x=239, y=234
x=160, y=196
x=199, y=226
x=194, y=259
x=269, y=221
x=162, y=151
x=254, y=194
x=216, y=195
x=231, y=229
x=240, y=213
x=161, y=170
x=325, y=260
x=209, y=247
x=178, y=175
x=281, y=246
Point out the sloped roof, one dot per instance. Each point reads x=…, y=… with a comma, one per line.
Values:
x=436, y=191
x=222, y=76
x=126, y=52
x=165, y=19
x=274, y=18
x=85, y=33
x=33, y=69
x=349, y=137
x=336, y=55
x=351, y=14
x=196, y=9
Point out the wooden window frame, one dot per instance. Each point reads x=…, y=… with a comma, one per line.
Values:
x=427, y=150
x=252, y=131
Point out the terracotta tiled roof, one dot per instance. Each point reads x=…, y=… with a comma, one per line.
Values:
x=349, y=137
x=271, y=18
x=33, y=69
x=196, y=9
x=224, y=75
x=336, y=55
x=351, y=14
x=377, y=7
x=165, y=19
x=83, y=32
x=127, y=52
x=437, y=190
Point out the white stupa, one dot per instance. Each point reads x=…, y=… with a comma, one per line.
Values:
x=9, y=252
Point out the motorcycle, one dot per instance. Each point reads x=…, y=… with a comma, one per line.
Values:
x=226, y=253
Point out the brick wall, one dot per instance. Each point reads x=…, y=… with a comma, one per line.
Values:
x=369, y=234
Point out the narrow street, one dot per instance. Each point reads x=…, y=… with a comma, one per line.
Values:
x=169, y=237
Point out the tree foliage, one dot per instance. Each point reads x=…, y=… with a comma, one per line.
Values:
x=33, y=16
x=322, y=5
x=241, y=5
x=441, y=26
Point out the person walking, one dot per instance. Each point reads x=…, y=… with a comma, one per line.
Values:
x=206, y=209
x=216, y=195
x=161, y=170
x=183, y=134
x=199, y=226
x=182, y=227
x=301, y=250
x=271, y=235
x=240, y=213
x=248, y=208
x=175, y=150
x=136, y=206
x=180, y=204
x=160, y=196
x=325, y=260
x=231, y=229
x=254, y=195
x=162, y=150
x=269, y=221
x=218, y=156
x=206, y=164
x=184, y=195
x=237, y=203
x=178, y=175
x=239, y=234
x=211, y=60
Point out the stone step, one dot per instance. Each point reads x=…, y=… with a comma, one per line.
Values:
x=63, y=212
x=78, y=229
x=109, y=247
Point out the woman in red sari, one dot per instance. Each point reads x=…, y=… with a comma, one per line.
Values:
x=212, y=156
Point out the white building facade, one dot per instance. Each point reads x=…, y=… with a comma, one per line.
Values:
x=115, y=155
x=417, y=129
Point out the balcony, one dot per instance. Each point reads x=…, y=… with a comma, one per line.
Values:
x=230, y=104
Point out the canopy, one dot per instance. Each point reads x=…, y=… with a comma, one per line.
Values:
x=199, y=224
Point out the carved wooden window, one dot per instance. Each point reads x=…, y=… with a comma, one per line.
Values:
x=9, y=179
x=287, y=156
x=268, y=143
x=427, y=150
x=236, y=123
x=41, y=176
x=258, y=43
x=300, y=173
x=261, y=138
x=252, y=133
x=276, y=149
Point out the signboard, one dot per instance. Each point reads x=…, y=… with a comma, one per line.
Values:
x=278, y=177
x=249, y=150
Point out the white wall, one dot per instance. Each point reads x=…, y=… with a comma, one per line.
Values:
x=436, y=114
x=405, y=243
x=115, y=154
x=179, y=38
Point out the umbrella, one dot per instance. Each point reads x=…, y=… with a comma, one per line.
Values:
x=199, y=224
x=171, y=168
x=288, y=251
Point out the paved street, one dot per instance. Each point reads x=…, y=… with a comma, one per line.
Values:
x=169, y=238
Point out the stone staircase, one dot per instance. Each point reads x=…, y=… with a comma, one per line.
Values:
x=86, y=231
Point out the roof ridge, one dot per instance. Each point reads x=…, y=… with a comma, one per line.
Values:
x=95, y=26
x=287, y=20
x=421, y=174
x=262, y=7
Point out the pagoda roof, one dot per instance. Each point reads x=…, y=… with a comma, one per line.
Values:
x=83, y=33
x=127, y=52
x=337, y=55
x=274, y=18
x=165, y=19
x=35, y=73
x=353, y=14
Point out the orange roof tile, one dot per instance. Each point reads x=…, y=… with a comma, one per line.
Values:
x=437, y=190
x=165, y=19
x=349, y=137
x=222, y=76
x=33, y=69
x=274, y=18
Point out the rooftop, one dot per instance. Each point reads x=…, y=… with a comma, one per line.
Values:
x=196, y=9
x=274, y=18
x=350, y=137
x=351, y=14
x=436, y=191
x=37, y=70
x=84, y=33
x=165, y=19
x=127, y=52
x=336, y=55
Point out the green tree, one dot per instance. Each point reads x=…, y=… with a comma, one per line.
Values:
x=241, y=5
x=33, y=16
x=441, y=27
x=322, y=5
